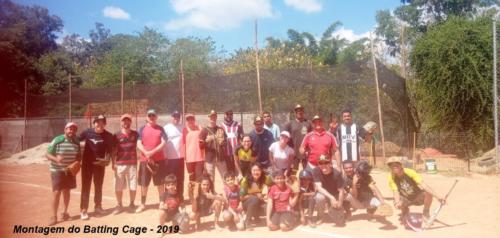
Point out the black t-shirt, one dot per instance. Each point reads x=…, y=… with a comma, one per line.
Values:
x=298, y=131
x=363, y=186
x=172, y=201
x=330, y=182
x=204, y=203
x=97, y=145
x=214, y=151
x=260, y=146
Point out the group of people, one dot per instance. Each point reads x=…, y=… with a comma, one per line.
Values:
x=259, y=171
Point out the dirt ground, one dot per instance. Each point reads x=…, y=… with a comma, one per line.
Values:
x=473, y=209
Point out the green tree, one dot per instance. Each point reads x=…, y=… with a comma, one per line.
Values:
x=452, y=64
x=26, y=33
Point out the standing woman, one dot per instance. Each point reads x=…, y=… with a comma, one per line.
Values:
x=253, y=190
x=281, y=155
x=193, y=149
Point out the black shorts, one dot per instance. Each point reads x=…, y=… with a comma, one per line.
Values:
x=418, y=200
x=61, y=180
x=158, y=178
x=288, y=218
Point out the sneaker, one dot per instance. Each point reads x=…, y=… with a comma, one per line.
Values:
x=384, y=210
x=98, y=211
x=52, y=221
x=118, y=210
x=311, y=223
x=65, y=216
x=140, y=209
x=84, y=216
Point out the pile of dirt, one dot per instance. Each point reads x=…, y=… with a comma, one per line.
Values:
x=35, y=155
x=4, y=154
x=434, y=153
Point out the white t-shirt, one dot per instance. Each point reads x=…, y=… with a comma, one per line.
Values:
x=281, y=156
x=173, y=146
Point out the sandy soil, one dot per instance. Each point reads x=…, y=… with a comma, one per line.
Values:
x=473, y=209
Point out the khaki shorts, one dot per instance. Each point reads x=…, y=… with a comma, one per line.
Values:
x=124, y=174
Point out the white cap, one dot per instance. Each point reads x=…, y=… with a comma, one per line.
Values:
x=285, y=133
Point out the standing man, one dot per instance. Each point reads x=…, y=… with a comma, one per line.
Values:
x=269, y=125
x=124, y=162
x=261, y=141
x=234, y=133
x=96, y=155
x=63, y=151
x=318, y=142
x=298, y=129
x=215, y=140
x=348, y=137
x=152, y=139
x=174, y=151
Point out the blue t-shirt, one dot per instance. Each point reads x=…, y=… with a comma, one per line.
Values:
x=260, y=146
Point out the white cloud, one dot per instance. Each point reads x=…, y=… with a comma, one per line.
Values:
x=115, y=13
x=217, y=14
x=308, y=6
x=349, y=35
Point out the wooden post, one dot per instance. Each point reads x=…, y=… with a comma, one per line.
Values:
x=257, y=68
x=182, y=94
x=69, y=104
x=25, y=113
x=378, y=98
x=121, y=99
x=414, y=149
x=135, y=104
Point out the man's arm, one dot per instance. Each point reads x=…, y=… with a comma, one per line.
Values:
x=377, y=192
x=141, y=148
x=159, y=147
x=428, y=189
x=269, y=210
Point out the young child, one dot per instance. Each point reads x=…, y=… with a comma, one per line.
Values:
x=234, y=211
x=170, y=202
x=280, y=203
x=206, y=203
x=244, y=157
x=306, y=198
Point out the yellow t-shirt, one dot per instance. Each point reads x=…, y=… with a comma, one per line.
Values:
x=407, y=188
x=245, y=155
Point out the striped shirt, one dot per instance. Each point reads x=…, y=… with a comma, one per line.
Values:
x=126, y=145
x=348, y=139
x=69, y=149
x=234, y=133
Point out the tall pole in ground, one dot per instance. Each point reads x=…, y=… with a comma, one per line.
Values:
x=23, y=141
x=495, y=98
x=121, y=99
x=257, y=68
x=378, y=98
x=182, y=93
x=69, y=104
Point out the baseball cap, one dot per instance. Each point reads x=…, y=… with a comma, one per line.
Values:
x=316, y=117
x=126, y=115
x=151, y=111
x=212, y=112
x=285, y=133
x=323, y=158
x=297, y=107
x=394, y=159
x=70, y=124
x=257, y=119
x=189, y=115
x=176, y=113
x=100, y=118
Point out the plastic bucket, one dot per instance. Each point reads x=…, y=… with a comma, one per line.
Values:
x=430, y=166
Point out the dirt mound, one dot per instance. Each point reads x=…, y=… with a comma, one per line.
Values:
x=4, y=154
x=433, y=153
x=390, y=149
x=35, y=155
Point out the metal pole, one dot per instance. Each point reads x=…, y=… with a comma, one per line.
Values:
x=121, y=100
x=378, y=99
x=69, y=105
x=257, y=68
x=25, y=113
x=495, y=98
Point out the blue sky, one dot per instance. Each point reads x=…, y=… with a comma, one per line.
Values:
x=228, y=22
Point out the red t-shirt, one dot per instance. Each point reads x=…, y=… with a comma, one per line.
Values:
x=281, y=198
x=319, y=143
x=151, y=136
